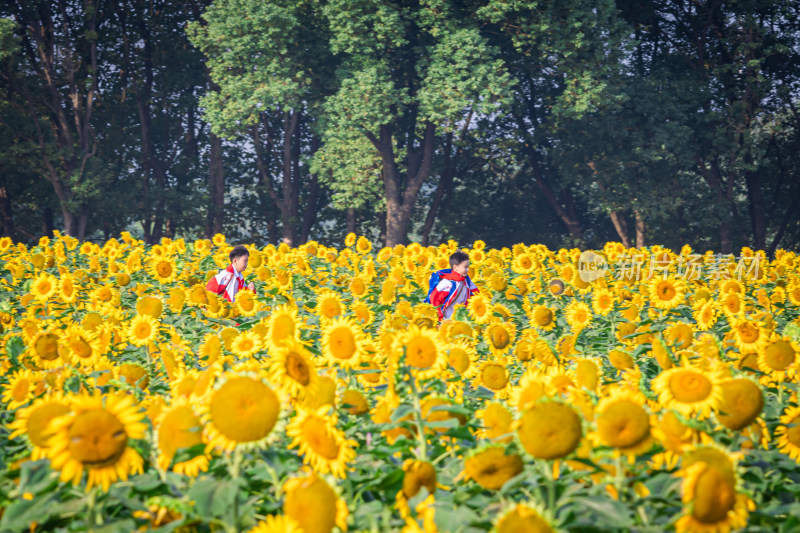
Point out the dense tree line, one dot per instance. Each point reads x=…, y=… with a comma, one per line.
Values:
x=562, y=122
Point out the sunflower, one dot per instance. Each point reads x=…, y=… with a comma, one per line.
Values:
x=479, y=308
x=143, y=329
x=788, y=433
x=603, y=302
x=748, y=335
x=362, y=313
x=777, y=357
x=322, y=445
x=425, y=353
x=149, y=305
x=162, y=269
x=277, y=524
x=578, y=315
x=179, y=428
x=493, y=374
x=291, y=366
x=666, y=292
x=246, y=344
x=549, y=430
x=95, y=436
x=529, y=518
x=742, y=402
x=437, y=409
x=491, y=467
x=524, y=263
x=342, y=343
x=556, y=287
x=705, y=314
x=246, y=303
x=531, y=388
x=329, y=305
x=20, y=388
x=240, y=411
x=496, y=423
x=81, y=347
x=314, y=505
x=44, y=286
x=32, y=422
x=709, y=493
x=587, y=372
x=462, y=357
x=732, y=305
x=67, y=290
x=44, y=348
x=177, y=298
x=623, y=423
x=282, y=325
x=689, y=390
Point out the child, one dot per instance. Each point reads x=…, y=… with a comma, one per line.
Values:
x=230, y=281
x=454, y=286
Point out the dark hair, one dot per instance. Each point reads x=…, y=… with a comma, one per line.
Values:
x=457, y=258
x=238, y=251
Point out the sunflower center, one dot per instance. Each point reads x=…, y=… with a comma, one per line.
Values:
x=494, y=376
x=714, y=497
x=742, y=401
x=550, y=430
x=244, y=409
x=331, y=308
x=779, y=355
x=459, y=360
x=297, y=369
x=142, y=330
x=164, y=269
x=421, y=352
x=499, y=337
x=40, y=418
x=97, y=438
x=316, y=434
x=623, y=424
x=21, y=388
x=342, y=343
x=543, y=316
x=180, y=429
x=690, y=386
x=47, y=346
x=748, y=332
x=80, y=347
x=666, y=291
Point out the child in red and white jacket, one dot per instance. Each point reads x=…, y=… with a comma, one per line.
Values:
x=230, y=281
x=454, y=286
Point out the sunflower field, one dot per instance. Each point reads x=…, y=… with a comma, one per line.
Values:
x=656, y=398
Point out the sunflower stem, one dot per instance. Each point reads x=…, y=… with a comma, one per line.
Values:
x=547, y=468
x=423, y=451
x=234, y=469
x=91, y=507
x=619, y=476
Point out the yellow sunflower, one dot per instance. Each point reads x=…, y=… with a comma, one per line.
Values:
x=491, y=467
x=314, y=505
x=748, y=335
x=246, y=303
x=329, y=305
x=342, y=343
x=143, y=329
x=67, y=290
x=277, y=524
x=44, y=286
x=788, y=433
x=240, y=411
x=522, y=517
x=81, y=347
x=322, y=445
x=179, y=428
x=479, y=308
x=549, y=430
x=578, y=315
x=246, y=344
x=95, y=437
x=282, y=325
x=603, y=302
x=291, y=365
x=531, y=388
x=496, y=422
x=493, y=374
x=20, y=388
x=689, y=390
x=163, y=269
x=666, y=292
x=499, y=336
x=623, y=423
x=742, y=402
x=44, y=349
x=33, y=421
x=777, y=357
x=543, y=317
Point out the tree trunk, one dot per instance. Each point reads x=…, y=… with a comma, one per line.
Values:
x=572, y=224
x=757, y=210
x=216, y=188
x=351, y=220
x=5, y=213
x=621, y=226
x=445, y=184
x=640, y=228
x=47, y=222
